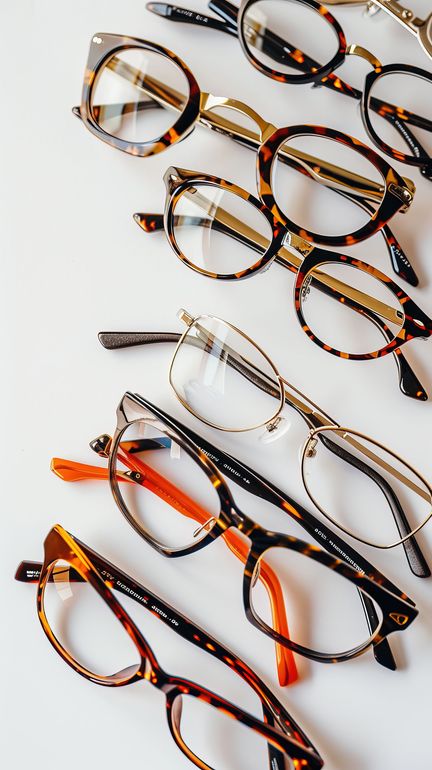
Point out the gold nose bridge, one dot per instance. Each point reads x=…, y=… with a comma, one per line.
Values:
x=363, y=53
x=209, y=102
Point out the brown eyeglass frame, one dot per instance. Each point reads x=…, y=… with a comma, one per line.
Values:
x=395, y=194
x=398, y=611
x=415, y=323
x=284, y=736
x=310, y=71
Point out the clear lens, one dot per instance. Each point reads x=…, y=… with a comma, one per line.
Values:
x=218, y=740
x=336, y=322
x=363, y=488
x=324, y=610
x=86, y=628
x=279, y=34
x=218, y=231
x=139, y=95
x=410, y=94
x=167, y=492
x=217, y=373
x=305, y=185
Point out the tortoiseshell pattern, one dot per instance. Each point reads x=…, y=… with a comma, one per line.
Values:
x=284, y=394
x=284, y=736
x=416, y=324
x=102, y=48
x=394, y=195
x=234, y=22
x=400, y=117
x=199, y=108
x=397, y=610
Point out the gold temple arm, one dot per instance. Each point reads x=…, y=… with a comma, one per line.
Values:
x=321, y=171
x=345, y=290
x=386, y=466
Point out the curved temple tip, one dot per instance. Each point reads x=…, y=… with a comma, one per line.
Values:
x=286, y=666
x=76, y=111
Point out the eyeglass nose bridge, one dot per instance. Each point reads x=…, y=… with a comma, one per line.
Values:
x=363, y=53
x=209, y=102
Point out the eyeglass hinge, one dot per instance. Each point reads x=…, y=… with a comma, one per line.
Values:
x=101, y=445
x=405, y=195
x=185, y=317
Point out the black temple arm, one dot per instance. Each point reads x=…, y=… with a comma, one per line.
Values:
x=186, y=16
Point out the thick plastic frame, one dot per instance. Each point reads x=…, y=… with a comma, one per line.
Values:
x=232, y=18
x=397, y=613
x=415, y=323
x=283, y=734
x=395, y=194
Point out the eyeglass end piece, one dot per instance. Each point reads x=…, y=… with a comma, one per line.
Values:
x=101, y=445
x=184, y=316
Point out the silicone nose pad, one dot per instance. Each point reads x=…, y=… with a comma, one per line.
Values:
x=275, y=430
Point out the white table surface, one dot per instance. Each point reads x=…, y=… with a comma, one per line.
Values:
x=74, y=263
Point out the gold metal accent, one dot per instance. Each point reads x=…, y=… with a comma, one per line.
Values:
x=358, y=50
x=400, y=619
x=185, y=317
x=350, y=436
x=345, y=290
x=322, y=171
x=205, y=527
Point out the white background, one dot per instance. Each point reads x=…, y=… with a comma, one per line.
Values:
x=74, y=262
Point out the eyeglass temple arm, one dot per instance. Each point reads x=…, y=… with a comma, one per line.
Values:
x=321, y=171
x=409, y=383
x=281, y=50
x=29, y=572
x=262, y=488
x=414, y=555
x=187, y=16
x=68, y=470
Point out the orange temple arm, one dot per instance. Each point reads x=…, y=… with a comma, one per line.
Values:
x=68, y=470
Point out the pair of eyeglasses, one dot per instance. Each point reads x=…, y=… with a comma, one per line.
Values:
x=228, y=382
x=299, y=41
x=165, y=485
x=345, y=306
x=141, y=98
x=90, y=629
x=421, y=28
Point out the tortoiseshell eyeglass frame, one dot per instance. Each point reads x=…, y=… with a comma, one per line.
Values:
x=283, y=735
x=394, y=194
x=414, y=324
x=396, y=608
x=318, y=422
x=233, y=21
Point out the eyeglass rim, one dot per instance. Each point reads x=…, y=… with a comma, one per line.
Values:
x=390, y=203
x=282, y=77
x=175, y=189
x=408, y=331
x=99, y=54
x=336, y=429
x=370, y=80
x=61, y=545
x=279, y=379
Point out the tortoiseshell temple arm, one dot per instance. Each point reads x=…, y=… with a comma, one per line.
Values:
x=274, y=711
x=68, y=470
x=281, y=50
x=409, y=383
x=413, y=552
